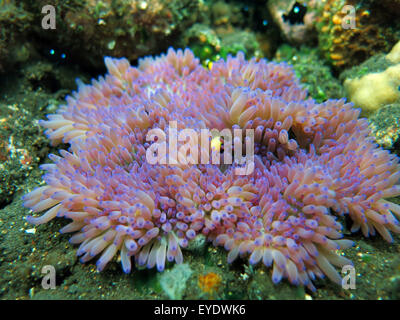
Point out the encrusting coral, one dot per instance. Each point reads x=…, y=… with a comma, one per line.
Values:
x=376, y=89
x=313, y=162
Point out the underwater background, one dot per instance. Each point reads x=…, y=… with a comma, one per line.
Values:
x=338, y=49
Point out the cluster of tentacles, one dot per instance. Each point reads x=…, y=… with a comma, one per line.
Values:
x=313, y=163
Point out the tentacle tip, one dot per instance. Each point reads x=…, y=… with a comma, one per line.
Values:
x=100, y=266
x=160, y=268
x=127, y=270
x=276, y=280
x=81, y=260
x=32, y=220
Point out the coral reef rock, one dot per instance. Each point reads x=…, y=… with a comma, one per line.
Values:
x=14, y=22
x=347, y=47
x=296, y=19
x=89, y=30
x=375, y=89
x=385, y=126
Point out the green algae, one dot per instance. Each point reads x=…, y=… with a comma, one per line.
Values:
x=210, y=47
x=313, y=72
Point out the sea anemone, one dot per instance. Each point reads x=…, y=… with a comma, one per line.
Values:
x=313, y=163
